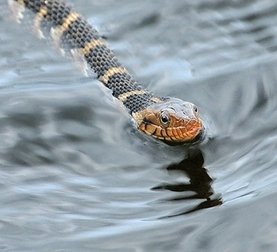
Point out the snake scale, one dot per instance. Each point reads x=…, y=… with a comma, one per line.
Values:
x=168, y=119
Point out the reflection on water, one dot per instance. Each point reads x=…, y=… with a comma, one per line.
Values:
x=200, y=183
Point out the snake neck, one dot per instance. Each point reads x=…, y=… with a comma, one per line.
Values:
x=75, y=36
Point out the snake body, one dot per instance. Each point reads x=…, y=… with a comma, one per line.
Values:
x=168, y=119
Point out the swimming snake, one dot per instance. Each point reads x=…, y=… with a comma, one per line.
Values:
x=168, y=119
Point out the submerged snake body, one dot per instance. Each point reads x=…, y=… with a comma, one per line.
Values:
x=168, y=119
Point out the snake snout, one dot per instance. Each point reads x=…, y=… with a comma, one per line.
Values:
x=201, y=135
x=194, y=129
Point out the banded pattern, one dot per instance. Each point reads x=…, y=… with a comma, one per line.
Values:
x=73, y=34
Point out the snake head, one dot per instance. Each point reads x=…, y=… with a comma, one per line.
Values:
x=172, y=121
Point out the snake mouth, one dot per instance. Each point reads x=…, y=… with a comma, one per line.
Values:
x=197, y=137
x=200, y=136
x=190, y=133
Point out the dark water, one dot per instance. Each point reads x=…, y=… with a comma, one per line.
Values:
x=75, y=175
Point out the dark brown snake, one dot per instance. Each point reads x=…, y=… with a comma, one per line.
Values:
x=168, y=119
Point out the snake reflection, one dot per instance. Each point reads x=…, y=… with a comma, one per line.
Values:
x=199, y=182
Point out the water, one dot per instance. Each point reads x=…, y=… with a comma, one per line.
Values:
x=75, y=175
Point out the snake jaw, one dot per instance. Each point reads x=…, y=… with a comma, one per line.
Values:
x=184, y=123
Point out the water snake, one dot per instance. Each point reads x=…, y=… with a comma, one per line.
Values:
x=165, y=118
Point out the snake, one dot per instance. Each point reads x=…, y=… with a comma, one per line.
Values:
x=168, y=119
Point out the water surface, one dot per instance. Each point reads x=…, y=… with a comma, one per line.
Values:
x=76, y=176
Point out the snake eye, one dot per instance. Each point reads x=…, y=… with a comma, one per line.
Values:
x=164, y=117
x=195, y=109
